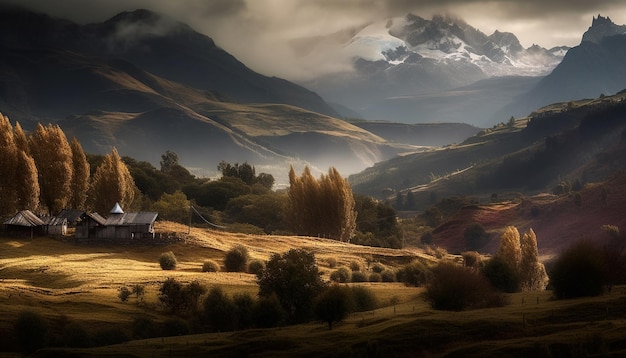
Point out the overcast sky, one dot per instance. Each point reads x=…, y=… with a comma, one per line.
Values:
x=297, y=39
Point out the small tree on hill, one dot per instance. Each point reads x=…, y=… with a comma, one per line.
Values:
x=333, y=304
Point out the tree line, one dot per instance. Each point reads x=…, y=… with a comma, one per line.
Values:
x=46, y=173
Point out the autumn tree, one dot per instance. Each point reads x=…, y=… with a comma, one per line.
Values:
x=28, y=186
x=533, y=274
x=321, y=207
x=510, y=248
x=53, y=157
x=111, y=183
x=8, y=163
x=80, y=179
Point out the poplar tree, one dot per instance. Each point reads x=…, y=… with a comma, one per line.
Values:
x=80, y=179
x=53, y=158
x=27, y=183
x=8, y=163
x=321, y=207
x=111, y=183
x=510, y=248
x=533, y=273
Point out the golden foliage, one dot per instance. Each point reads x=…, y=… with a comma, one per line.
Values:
x=80, y=179
x=112, y=183
x=323, y=207
x=53, y=157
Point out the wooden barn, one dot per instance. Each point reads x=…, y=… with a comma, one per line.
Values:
x=119, y=225
x=54, y=225
x=25, y=224
x=89, y=225
x=73, y=216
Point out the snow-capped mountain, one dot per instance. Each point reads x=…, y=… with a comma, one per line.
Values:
x=407, y=56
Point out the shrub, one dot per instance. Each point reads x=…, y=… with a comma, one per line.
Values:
x=236, y=259
x=168, y=261
x=31, y=331
x=268, y=312
x=139, y=291
x=256, y=267
x=244, y=309
x=502, y=275
x=358, y=276
x=363, y=299
x=332, y=305
x=471, y=259
x=332, y=262
x=375, y=277
x=378, y=267
x=427, y=237
x=415, y=273
x=388, y=276
x=355, y=266
x=210, y=266
x=219, y=310
x=456, y=288
x=75, y=335
x=175, y=326
x=124, y=294
x=341, y=275
x=475, y=236
x=579, y=271
x=171, y=295
x=143, y=327
x=191, y=295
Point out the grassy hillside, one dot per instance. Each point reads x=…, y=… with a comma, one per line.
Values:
x=66, y=281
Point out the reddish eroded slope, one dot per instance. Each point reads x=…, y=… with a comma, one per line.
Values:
x=556, y=220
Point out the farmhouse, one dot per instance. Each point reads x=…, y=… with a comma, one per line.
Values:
x=119, y=225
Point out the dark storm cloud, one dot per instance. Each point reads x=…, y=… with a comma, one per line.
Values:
x=300, y=39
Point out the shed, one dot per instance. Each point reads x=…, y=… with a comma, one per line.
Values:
x=89, y=225
x=25, y=224
x=73, y=216
x=129, y=225
x=55, y=225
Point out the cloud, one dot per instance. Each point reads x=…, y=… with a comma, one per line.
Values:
x=300, y=39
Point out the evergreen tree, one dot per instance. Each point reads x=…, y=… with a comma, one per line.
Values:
x=53, y=157
x=80, y=179
x=112, y=183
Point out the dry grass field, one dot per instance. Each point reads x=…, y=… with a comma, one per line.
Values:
x=68, y=281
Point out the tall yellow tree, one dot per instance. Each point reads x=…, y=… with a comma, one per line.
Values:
x=510, y=248
x=533, y=275
x=8, y=163
x=323, y=207
x=80, y=179
x=111, y=183
x=53, y=158
x=28, y=185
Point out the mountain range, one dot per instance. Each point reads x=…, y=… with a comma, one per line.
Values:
x=414, y=70
x=146, y=84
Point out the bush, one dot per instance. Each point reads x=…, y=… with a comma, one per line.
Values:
x=415, y=273
x=341, y=275
x=236, y=259
x=124, y=294
x=168, y=261
x=143, y=327
x=175, y=326
x=31, y=331
x=355, y=266
x=375, y=277
x=244, y=309
x=219, y=310
x=475, y=236
x=139, y=291
x=579, y=271
x=363, y=299
x=388, y=276
x=378, y=267
x=171, y=295
x=502, y=275
x=332, y=262
x=332, y=305
x=456, y=288
x=358, y=276
x=75, y=335
x=268, y=312
x=471, y=259
x=256, y=267
x=210, y=266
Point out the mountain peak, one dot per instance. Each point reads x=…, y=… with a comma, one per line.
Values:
x=602, y=27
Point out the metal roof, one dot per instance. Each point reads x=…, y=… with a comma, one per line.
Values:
x=72, y=215
x=117, y=209
x=54, y=220
x=95, y=217
x=25, y=218
x=140, y=218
